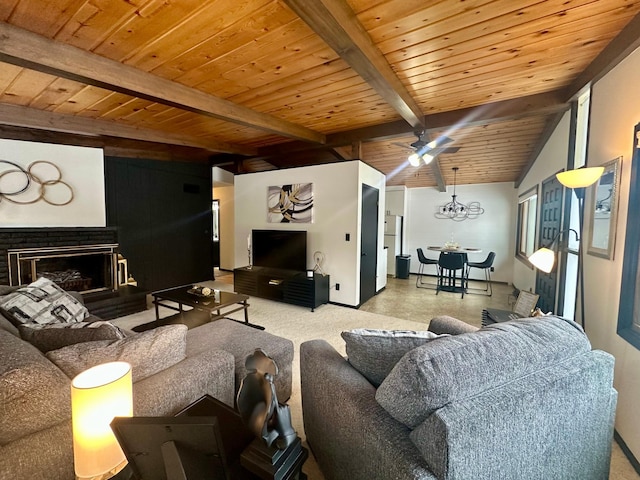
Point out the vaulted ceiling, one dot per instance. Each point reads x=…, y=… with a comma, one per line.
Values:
x=255, y=85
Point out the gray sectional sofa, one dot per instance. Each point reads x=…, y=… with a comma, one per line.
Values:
x=523, y=399
x=179, y=367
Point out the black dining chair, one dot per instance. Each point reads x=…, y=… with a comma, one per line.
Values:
x=448, y=280
x=424, y=261
x=486, y=266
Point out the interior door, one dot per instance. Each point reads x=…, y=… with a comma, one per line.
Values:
x=368, y=243
x=550, y=224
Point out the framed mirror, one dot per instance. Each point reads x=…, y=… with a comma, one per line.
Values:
x=603, y=210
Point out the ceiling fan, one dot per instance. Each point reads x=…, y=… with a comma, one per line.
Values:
x=427, y=151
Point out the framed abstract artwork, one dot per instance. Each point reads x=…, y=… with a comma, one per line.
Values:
x=291, y=203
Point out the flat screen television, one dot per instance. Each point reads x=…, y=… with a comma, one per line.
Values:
x=285, y=249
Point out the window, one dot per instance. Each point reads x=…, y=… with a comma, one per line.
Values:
x=569, y=299
x=582, y=127
x=629, y=311
x=527, y=215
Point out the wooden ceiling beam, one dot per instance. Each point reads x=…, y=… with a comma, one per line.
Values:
x=506, y=110
x=617, y=50
x=18, y=116
x=336, y=23
x=29, y=50
x=112, y=146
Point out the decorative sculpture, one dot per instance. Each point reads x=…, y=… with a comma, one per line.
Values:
x=258, y=403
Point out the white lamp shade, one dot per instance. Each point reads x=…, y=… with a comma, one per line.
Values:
x=543, y=259
x=97, y=396
x=414, y=159
x=580, y=177
x=427, y=158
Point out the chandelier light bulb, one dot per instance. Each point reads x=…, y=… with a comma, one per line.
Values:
x=414, y=159
x=427, y=158
x=458, y=211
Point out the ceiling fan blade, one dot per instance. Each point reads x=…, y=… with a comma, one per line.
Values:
x=443, y=140
x=444, y=150
x=407, y=147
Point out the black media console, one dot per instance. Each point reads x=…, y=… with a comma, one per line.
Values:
x=289, y=286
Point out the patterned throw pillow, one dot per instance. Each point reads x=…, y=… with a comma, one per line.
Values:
x=374, y=353
x=42, y=302
x=57, y=335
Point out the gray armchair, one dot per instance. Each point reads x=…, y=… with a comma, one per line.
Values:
x=522, y=399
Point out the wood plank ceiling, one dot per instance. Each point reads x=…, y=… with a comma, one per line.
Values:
x=263, y=84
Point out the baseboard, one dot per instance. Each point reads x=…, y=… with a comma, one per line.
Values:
x=344, y=305
x=632, y=459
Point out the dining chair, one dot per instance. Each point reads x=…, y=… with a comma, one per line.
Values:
x=424, y=261
x=486, y=266
x=448, y=280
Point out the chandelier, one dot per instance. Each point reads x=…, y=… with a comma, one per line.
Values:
x=455, y=210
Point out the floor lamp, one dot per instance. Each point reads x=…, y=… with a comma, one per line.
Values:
x=544, y=258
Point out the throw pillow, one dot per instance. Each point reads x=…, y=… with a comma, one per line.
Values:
x=374, y=353
x=460, y=366
x=42, y=302
x=57, y=335
x=148, y=352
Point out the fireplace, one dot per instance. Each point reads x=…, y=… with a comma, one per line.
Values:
x=83, y=268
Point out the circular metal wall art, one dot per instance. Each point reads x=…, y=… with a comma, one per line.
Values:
x=13, y=190
x=41, y=180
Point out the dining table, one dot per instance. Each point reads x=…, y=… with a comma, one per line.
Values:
x=454, y=249
x=448, y=280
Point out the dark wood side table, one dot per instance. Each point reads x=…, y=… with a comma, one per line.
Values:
x=247, y=457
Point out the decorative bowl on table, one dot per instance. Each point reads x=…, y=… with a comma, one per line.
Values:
x=451, y=246
x=201, y=291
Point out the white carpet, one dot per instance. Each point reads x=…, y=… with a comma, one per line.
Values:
x=298, y=324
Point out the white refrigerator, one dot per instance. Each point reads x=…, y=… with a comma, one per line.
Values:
x=392, y=241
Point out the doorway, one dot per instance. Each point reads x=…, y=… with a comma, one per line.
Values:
x=368, y=242
x=550, y=224
x=215, y=234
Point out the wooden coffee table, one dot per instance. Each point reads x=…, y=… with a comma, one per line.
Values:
x=203, y=309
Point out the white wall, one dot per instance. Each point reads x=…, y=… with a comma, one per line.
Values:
x=336, y=191
x=551, y=160
x=492, y=231
x=81, y=167
x=614, y=113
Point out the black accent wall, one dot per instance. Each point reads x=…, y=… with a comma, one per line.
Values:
x=163, y=214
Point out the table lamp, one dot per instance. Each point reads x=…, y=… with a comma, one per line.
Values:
x=97, y=396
